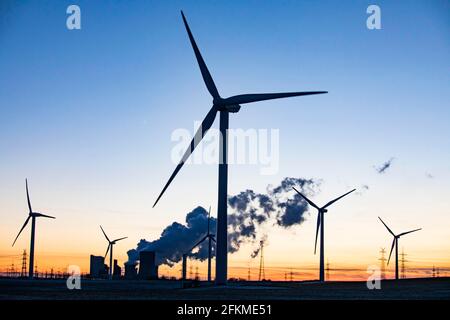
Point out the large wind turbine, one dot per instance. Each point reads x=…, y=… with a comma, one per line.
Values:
x=320, y=223
x=224, y=106
x=210, y=238
x=31, y=215
x=110, y=245
x=395, y=243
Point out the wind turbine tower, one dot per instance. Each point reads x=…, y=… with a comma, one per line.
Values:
x=31, y=215
x=210, y=237
x=110, y=249
x=222, y=106
x=395, y=244
x=320, y=225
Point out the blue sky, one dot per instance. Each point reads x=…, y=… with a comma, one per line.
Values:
x=87, y=114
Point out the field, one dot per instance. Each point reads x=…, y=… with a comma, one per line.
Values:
x=19, y=289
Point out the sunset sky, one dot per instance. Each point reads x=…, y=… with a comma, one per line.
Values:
x=87, y=116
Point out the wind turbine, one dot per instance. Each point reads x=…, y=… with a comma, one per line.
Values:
x=110, y=245
x=210, y=238
x=395, y=243
x=223, y=106
x=31, y=215
x=320, y=223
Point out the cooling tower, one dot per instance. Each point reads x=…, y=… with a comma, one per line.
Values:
x=147, y=265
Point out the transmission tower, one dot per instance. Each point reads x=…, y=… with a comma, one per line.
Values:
x=248, y=274
x=13, y=270
x=437, y=272
x=434, y=272
x=402, y=264
x=197, y=277
x=23, y=272
x=190, y=272
x=291, y=275
x=383, y=263
x=262, y=274
x=327, y=270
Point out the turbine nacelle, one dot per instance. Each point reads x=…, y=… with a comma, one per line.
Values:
x=234, y=108
x=224, y=105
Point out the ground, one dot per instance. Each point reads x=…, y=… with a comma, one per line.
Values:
x=19, y=289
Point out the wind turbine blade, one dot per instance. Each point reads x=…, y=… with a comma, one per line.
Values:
x=105, y=234
x=107, y=250
x=204, y=127
x=317, y=231
x=307, y=200
x=392, y=248
x=247, y=98
x=390, y=231
x=209, y=216
x=28, y=196
x=201, y=63
x=44, y=215
x=333, y=201
x=24, y=225
x=203, y=239
x=119, y=239
x=402, y=234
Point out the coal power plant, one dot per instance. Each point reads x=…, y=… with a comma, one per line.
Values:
x=145, y=270
x=130, y=271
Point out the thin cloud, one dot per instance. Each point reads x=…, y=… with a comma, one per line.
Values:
x=385, y=166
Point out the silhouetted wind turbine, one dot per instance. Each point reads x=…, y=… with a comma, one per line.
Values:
x=395, y=243
x=31, y=215
x=224, y=106
x=320, y=223
x=210, y=238
x=110, y=245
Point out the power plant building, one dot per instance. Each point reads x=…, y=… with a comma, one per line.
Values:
x=148, y=269
x=130, y=271
x=97, y=267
